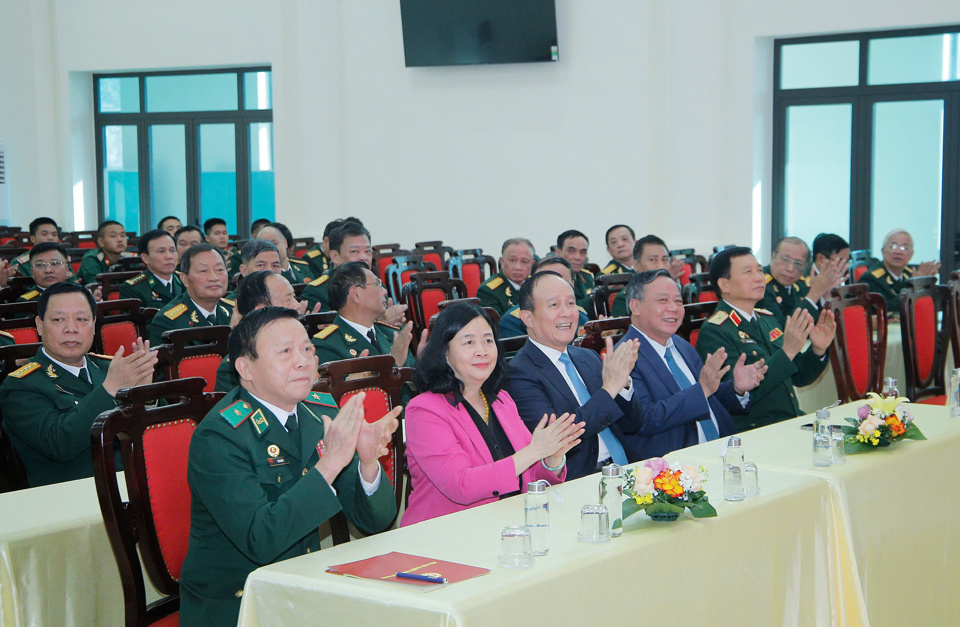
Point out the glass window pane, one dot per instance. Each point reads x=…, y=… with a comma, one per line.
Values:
x=262, y=203
x=817, y=178
x=828, y=64
x=120, y=95
x=924, y=59
x=168, y=172
x=121, y=183
x=218, y=174
x=258, y=90
x=908, y=174
x=194, y=92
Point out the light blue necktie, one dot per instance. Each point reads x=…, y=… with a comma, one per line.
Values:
x=583, y=395
x=709, y=429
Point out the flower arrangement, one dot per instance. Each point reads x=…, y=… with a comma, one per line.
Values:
x=880, y=422
x=664, y=490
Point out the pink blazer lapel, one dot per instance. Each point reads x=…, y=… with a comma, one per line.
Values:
x=476, y=440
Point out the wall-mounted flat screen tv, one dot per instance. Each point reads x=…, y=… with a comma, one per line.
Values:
x=470, y=32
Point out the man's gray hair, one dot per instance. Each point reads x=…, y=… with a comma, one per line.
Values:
x=254, y=247
x=638, y=284
x=518, y=240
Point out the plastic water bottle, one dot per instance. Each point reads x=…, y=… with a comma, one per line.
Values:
x=611, y=495
x=953, y=394
x=536, y=508
x=733, y=471
x=822, y=446
x=890, y=388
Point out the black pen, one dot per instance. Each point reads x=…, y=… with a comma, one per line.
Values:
x=417, y=577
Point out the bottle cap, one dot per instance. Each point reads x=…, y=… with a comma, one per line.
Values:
x=956, y=372
x=611, y=470
x=538, y=487
x=823, y=414
x=733, y=441
x=890, y=382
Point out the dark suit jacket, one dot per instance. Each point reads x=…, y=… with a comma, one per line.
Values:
x=538, y=388
x=670, y=415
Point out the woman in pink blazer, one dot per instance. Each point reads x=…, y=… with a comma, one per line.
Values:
x=466, y=443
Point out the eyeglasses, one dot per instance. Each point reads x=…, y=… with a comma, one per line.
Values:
x=376, y=282
x=799, y=265
x=42, y=265
x=898, y=247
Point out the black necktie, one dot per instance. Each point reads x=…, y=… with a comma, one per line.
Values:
x=293, y=429
x=212, y=319
x=372, y=336
x=82, y=375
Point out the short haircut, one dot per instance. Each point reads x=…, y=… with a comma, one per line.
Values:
x=254, y=247
x=551, y=261
x=334, y=224
x=212, y=222
x=796, y=241
x=526, y=290
x=434, y=374
x=45, y=247
x=638, y=284
x=187, y=258
x=162, y=220
x=64, y=288
x=891, y=234
x=258, y=224
x=613, y=228
x=345, y=230
x=284, y=230
x=243, y=338
x=518, y=240
x=143, y=245
x=652, y=240
x=563, y=237
x=720, y=264
x=344, y=277
x=186, y=229
x=36, y=223
x=252, y=292
x=104, y=225
x=828, y=245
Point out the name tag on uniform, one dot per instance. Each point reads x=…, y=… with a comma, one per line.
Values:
x=746, y=339
x=277, y=461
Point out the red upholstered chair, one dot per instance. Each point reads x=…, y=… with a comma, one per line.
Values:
x=153, y=523
x=425, y=291
x=398, y=273
x=494, y=316
x=607, y=286
x=301, y=245
x=81, y=239
x=472, y=267
x=700, y=289
x=110, y=283
x=381, y=380
x=76, y=255
x=595, y=333
x=193, y=353
x=859, y=350
x=120, y=323
x=313, y=322
x=434, y=252
x=383, y=255
x=13, y=476
x=8, y=253
x=925, y=326
x=692, y=263
x=955, y=315
x=694, y=315
x=860, y=261
x=18, y=319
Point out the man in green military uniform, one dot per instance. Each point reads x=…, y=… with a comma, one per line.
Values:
x=511, y=325
x=890, y=275
x=187, y=237
x=787, y=288
x=348, y=242
x=501, y=291
x=255, y=255
x=620, y=240
x=111, y=245
x=318, y=257
x=48, y=265
x=360, y=299
x=202, y=304
x=293, y=269
x=50, y=403
x=572, y=245
x=268, y=466
x=649, y=253
x=740, y=327
x=41, y=230
x=158, y=284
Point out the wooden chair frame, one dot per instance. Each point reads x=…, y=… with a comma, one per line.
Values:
x=421, y=282
x=181, y=344
x=694, y=315
x=471, y=257
x=934, y=384
x=16, y=316
x=698, y=284
x=607, y=286
x=110, y=282
x=434, y=248
x=875, y=311
x=383, y=255
x=595, y=332
x=119, y=312
x=404, y=263
x=313, y=322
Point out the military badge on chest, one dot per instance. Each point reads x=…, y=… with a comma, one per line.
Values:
x=193, y=318
x=775, y=334
x=746, y=339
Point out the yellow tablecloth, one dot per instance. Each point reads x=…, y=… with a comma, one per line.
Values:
x=902, y=507
x=783, y=558
x=56, y=566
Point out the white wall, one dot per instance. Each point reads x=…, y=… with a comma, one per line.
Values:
x=658, y=113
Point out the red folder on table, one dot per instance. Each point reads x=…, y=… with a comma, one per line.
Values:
x=385, y=568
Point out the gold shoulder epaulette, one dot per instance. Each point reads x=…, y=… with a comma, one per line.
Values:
x=718, y=317
x=326, y=331
x=9, y=335
x=232, y=303
x=384, y=324
x=763, y=311
x=515, y=312
x=320, y=281
x=879, y=272
x=295, y=260
x=136, y=279
x=494, y=283
x=101, y=356
x=31, y=295
x=582, y=310
x=586, y=272
x=175, y=312
x=767, y=278
x=609, y=269
x=313, y=253
x=23, y=371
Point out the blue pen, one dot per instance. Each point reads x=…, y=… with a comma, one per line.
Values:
x=417, y=577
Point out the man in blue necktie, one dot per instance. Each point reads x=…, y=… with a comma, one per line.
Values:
x=684, y=402
x=549, y=377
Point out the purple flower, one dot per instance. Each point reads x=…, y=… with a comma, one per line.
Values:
x=863, y=411
x=657, y=465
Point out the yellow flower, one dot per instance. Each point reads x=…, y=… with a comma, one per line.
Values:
x=886, y=406
x=643, y=499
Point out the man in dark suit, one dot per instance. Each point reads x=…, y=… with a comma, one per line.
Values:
x=683, y=400
x=549, y=377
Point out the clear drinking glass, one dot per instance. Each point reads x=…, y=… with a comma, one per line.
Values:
x=515, y=547
x=594, y=524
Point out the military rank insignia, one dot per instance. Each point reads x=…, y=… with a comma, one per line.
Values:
x=260, y=422
x=495, y=282
x=321, y=398
x=193, y=317
x=325, y=332
x=735, y=317
x=51, y=372
x=175, y=312
x=775, y=334
x=23, y=371
x=349, y=338
x=236, y=413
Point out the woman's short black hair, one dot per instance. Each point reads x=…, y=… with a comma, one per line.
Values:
x=434, y=374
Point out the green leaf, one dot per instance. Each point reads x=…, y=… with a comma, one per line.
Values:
x=913, y=432
x=850, y=430
x=658, y=508
x=703, y=509
x=631, y=507
x=854, y=445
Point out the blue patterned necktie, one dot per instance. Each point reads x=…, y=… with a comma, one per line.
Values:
x=583, y=395
x=709, y=429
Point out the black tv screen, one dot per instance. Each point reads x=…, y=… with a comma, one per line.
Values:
x=468, y=32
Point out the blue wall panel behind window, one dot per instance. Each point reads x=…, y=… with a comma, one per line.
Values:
x=218, y=197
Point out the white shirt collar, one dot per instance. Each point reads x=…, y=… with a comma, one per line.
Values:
x=362, y=330
x=280, y=413
x=552, y=353
x=743, y=314
x=516, y=287
x=204, y=311
x=74, y=370
x=657, y=346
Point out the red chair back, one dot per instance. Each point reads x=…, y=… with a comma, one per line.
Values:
x=120, y=323
x=694, y=315
x=472, y=267
x=194, y=353
x=595, y=333
x=110, y=283
x=607, y=288
x=13, y=476
x=926, y=324
x=424, y=293
x=859, y=348
x=18, y=319
x=383, y=256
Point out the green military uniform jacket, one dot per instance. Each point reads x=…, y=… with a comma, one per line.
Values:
x=317, y=260
x=234, y=261
x=227, y=376
x=615, y=267
x=182, y=313
x=619, y=307
x=48, y=412
x=583, y=285
x=150, y=290
x=774, y=399
x=256, y=500
x=30, y=295
x=880, y=281
x=21, y=264
x=6, y=339
x=91, y=264
x=317, y=292
x=498, y=293
x=341, y=341
x=298, y=272
x=783, y=300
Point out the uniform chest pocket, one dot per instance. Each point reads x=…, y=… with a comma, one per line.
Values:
x=276, y=476
x=66, y=401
